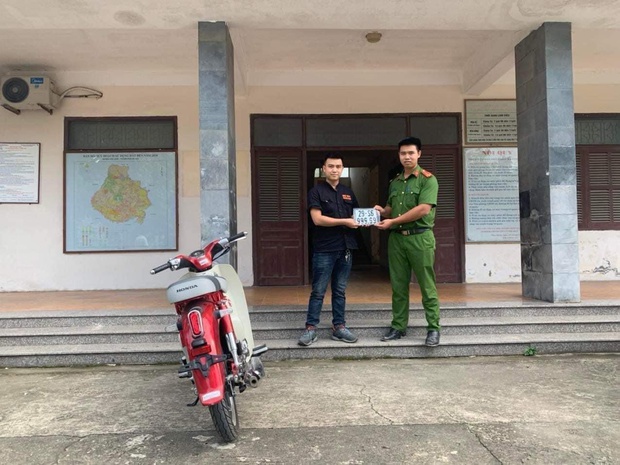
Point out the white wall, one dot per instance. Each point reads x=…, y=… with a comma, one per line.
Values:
x=31, y=236
x=599, y=255
x=599, y=259
x=493, y=263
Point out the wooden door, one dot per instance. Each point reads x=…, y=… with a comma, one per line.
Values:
x=279, y=220
x=446, y=165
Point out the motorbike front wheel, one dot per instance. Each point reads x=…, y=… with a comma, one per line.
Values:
x=224, y=416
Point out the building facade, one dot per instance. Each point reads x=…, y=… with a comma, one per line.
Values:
x=306, y=70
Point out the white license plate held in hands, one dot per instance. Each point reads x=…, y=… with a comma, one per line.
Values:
x=366, y=216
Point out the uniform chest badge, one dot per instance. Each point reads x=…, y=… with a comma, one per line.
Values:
x=346, y=197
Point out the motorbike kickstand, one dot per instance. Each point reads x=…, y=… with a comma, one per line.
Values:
x=193, y=404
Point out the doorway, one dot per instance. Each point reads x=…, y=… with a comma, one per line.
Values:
x=369, y=174
x=284, y=168
x=361, y=173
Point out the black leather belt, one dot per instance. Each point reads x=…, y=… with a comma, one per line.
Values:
x=409, y=232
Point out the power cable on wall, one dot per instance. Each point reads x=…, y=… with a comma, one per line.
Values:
x=87, y=92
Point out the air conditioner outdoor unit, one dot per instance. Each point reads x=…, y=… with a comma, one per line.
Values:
x=28, y=92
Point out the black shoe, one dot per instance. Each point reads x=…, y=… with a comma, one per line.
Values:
x=432, y=339
x=393, y=334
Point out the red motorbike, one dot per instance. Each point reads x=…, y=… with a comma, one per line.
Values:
x=215, y=332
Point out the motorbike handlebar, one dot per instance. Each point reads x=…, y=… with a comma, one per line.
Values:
x=214, y=249
x=238, y=236
x=229, y=240
x=159, y=268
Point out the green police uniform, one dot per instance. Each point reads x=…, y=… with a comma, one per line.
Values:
x=411, y=246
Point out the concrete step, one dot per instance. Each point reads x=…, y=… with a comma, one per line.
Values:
x=167, y=316
x=150, y=336
x=151, y=333
x=92, y=334
x=384, y=312
x=90, y=354
x=64, y=318
x=412, y=346
x=268, y=330
x=408, y=347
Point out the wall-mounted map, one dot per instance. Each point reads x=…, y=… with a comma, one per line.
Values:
x=120, y=201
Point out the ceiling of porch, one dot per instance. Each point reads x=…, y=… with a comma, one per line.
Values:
x=284, y=43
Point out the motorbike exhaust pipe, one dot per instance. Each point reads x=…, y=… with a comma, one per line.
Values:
x=252, y=377
x=257, y=367
x=253, y=381
x=255, y=371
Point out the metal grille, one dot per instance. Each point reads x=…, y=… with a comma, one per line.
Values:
x=597, y=131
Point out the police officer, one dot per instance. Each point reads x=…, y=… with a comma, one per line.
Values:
x=410, y=217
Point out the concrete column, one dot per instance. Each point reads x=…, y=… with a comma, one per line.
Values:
x=547, y=177
x=218, y=201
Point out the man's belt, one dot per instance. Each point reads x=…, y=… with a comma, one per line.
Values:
x=411, y=231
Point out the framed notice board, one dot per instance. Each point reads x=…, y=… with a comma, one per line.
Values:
x=491, y=194
x=491, y=122
x=19, y=172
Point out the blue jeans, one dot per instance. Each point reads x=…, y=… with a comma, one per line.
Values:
x=326, y=266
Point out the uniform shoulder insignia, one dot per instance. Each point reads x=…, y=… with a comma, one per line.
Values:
x=426, y=174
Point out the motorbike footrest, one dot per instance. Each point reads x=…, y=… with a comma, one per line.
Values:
x=259, y=350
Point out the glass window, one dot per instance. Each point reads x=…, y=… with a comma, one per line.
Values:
x=121, y=133
x=277, y=132
x=355, y=132
x=435, y=130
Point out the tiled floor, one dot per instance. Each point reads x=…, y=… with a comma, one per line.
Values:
x=363, y=288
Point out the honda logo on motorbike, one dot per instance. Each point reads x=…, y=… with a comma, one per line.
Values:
x=187, y=288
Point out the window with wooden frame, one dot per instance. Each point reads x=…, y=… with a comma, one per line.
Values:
x=598, y=171
x=598, y=187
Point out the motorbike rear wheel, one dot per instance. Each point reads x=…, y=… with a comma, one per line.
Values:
x=224, y=416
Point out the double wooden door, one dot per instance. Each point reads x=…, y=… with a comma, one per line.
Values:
x=280, y=215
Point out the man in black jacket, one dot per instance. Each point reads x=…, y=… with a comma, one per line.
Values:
x=331, y=207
